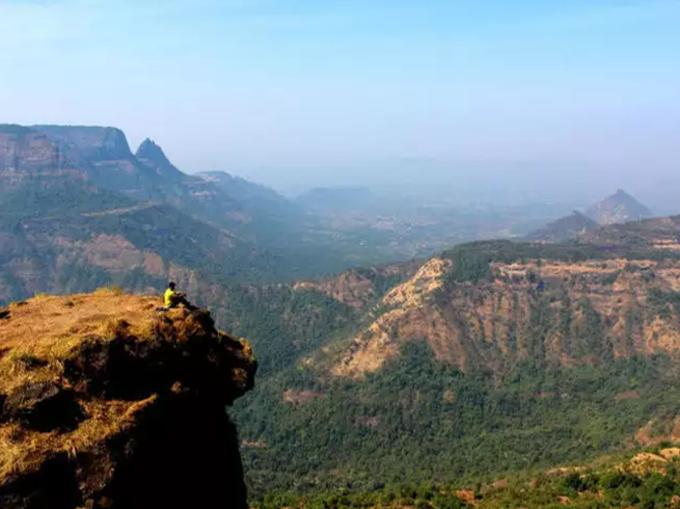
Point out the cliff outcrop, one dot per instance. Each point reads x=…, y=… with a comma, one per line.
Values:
x=542, y=307
x=88, y=143
x=30, y=159
x=106, y=402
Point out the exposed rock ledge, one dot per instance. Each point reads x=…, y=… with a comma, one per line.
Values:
x=106, y=403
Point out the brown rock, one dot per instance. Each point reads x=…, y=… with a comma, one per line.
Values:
x=42, y=406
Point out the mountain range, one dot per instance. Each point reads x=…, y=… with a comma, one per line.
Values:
x=78, y=209
x=103, y=157
x=489, y=357
x=72, y=197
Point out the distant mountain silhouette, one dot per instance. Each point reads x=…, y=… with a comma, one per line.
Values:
x=564, y=229
x=620, y=207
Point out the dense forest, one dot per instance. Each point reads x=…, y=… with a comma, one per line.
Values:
x=421, y=420
x=606, y=484
x=424, y=421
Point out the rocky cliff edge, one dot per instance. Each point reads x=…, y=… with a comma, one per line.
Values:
x=107, y=403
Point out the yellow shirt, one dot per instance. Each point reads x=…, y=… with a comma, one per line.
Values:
x=169, y=294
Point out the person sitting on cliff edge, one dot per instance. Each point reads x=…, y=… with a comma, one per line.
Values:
x=173, y=299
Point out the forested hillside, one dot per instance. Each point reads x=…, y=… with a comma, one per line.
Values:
x=494, y=357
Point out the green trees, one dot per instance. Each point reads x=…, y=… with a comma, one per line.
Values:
x=610, y=487
x=422, y=420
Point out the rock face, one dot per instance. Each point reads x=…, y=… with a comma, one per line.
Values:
x=91, y=143
x=29, y=158
x=107, y=403
x=541, y=306
x=105, y=154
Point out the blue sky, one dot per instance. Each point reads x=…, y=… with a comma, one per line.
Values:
x=269, y=88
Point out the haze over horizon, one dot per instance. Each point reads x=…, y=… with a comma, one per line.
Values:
x=290, y=94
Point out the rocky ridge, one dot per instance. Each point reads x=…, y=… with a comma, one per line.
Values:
x=546, y=307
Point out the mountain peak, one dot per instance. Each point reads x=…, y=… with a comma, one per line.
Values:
x=151, y=155
x=620, y=207
x=149, y=149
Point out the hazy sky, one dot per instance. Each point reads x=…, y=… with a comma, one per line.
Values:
x=259, y=86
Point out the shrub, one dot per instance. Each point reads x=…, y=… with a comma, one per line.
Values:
x=110, y=290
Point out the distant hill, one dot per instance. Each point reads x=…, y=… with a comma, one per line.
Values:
x=618, y=208
x=658, y=234
x=567, y=228
x=243, y=189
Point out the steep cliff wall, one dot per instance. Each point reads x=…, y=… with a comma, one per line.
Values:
x=554, y=311
x=108, y=403
x=30, y=160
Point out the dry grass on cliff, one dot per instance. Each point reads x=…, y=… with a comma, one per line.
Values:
x=35, y=338
x=76, y=382
x=41, y=331
x=52, y=321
